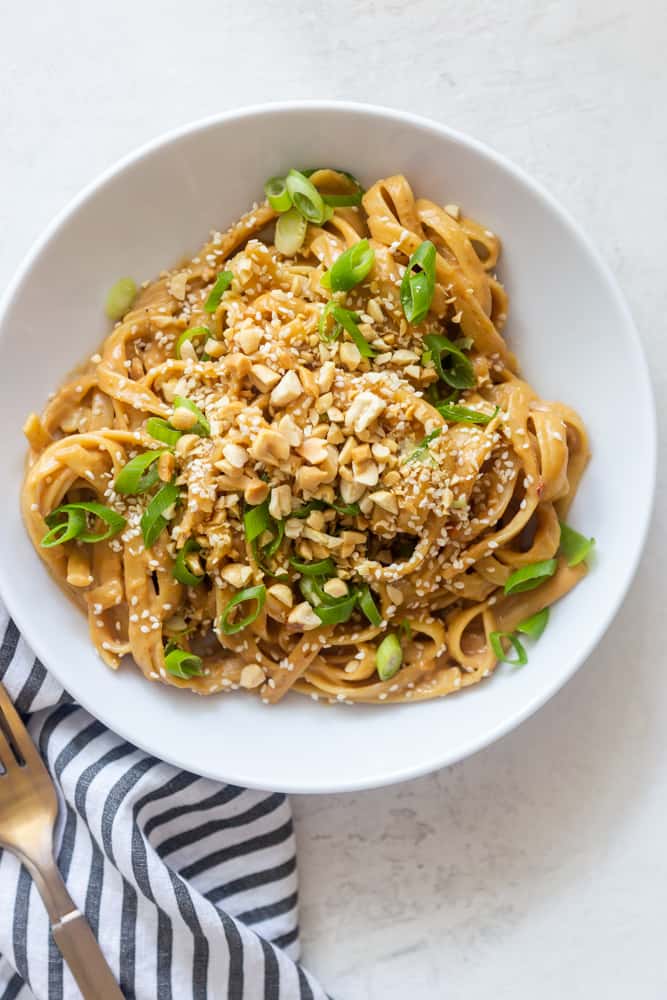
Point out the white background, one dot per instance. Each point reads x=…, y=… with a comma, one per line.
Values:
x=538, y=868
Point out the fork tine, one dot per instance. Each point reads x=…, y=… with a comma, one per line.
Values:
x=7, y=757
x=18, y=731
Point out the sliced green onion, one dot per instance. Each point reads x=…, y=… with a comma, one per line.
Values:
x=192, y=334
x=335, y=614
x=496, y=640
x=406, y=628
x=324, y=567
x=349, y=509
x=181, y=570
x=202, y=427
x=346, y=320
x=139, y=474
x=368, y=606
x=119, y=298
x=270, y=550
x=181, y=663
x=75, y=526
x=575, y=547
x=222, y=283
x=257, y=594
x=461, y=414
x=277, y=194
x=311, y=591
x=535, y=625
x=62, y=531
x=350, y=268
x=388, y=657
x=256, y=520
x=152, y=521
x=529, y=577
x=459, y=372
x=161, y=430
x=423, y=447
x=290, y=232
x=418, y=284
x=339, y=200
x=306, y=199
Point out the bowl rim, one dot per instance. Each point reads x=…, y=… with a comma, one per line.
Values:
x=40, y=646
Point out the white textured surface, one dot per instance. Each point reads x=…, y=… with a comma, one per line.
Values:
x=537, y=868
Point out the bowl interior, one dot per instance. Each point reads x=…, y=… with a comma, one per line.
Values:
x=567, y=323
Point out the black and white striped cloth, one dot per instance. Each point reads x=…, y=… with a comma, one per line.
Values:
x=190, y=886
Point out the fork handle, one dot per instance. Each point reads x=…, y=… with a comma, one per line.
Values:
x=71, y=931
x=84, y=957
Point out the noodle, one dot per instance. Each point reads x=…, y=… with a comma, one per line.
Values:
x=432, y=514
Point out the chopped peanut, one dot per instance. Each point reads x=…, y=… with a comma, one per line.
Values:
x=256, y=492
x=325, y=376
x=351, y=491
x=386, y=500
x=309, y=477
x=313, y=450
x=304, y=616
x=270, y=447
x=235, y=455
x=282, y=593
x=290, y=430
x=236, y=574
x=365, y=408
x=280, y=504
x=263, y=378
x=252, y=676
x=350, y=356
x=335, y=587
x=249, y=339
x=287, y=390
x=366, y=473
x=178, y=285
x=166, y=466
x=183, y=419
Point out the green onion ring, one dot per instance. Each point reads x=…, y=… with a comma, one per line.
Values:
x=152, y=521
x=336, y=614
x=324, y=567
x=531, y=576
x=460, y=374
x=290, y=232
x=535, y=625
x=191, y=334
x=139, y=474
x=388, y=657
x=181, y=663
x=220, y=286
x=461, y=414
x=350, y=268
x=277, y=194
x=181, y=570
x=369, y=607
x=575, y=547
x=257, y=594
x=306, y=199
x=161, y=430
x=496, y=640
x=418, y=286
x=120, y=298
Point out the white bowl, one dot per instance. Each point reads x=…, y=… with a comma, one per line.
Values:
x=568, y=324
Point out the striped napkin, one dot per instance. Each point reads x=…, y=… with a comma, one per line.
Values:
x=189, y=885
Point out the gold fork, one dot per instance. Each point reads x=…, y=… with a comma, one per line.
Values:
x=28, y=811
